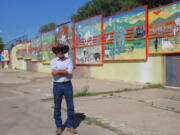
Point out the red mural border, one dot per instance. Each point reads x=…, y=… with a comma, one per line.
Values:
x=102, y=53
x=73, y=38
x=148, y=25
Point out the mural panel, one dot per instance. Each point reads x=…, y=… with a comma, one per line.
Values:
x=36, y=49
x=164, y=29
x=65, y=35
x=125, y=35
x=88, y=39
x=27, y=51
x=48, y=41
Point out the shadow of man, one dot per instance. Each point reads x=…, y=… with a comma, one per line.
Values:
x=78, y=118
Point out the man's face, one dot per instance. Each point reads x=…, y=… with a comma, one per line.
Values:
x=60, y=54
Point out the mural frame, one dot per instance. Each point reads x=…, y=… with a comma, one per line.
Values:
x=19, y=52
x=102, y=47
x=154, y=54
x=26, y=59
x=53, y=44
x=35, y=61
x=74, y=46
x=146, y=36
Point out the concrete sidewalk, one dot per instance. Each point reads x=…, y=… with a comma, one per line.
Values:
x=141, y=112
x=144, y=112
x=23, y=113
x=94, y=85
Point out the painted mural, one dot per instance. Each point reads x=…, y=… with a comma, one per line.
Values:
x=65, y=36
x=48, y=41
x=27, y=51
x=88, y=39
x=36, y=49
x=125, y=35
x=164, y=29
x=6, y=55
x=19, y=52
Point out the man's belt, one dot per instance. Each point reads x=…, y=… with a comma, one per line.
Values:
x=62, y=82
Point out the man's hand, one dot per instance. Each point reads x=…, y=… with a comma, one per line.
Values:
x=55, y=72
x=59, y=72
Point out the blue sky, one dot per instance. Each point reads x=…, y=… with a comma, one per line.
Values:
x=18, y=17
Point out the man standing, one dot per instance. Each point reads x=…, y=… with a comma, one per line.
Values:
x=62, y=69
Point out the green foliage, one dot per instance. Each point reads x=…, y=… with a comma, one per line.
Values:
x=83, y=92
x=149, y=85
x=1, y=44
x=110, y=7
x=90, y=121
x=47, y=27
x=141, y=100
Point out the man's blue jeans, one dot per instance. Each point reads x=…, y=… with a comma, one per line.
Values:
x=60, y=90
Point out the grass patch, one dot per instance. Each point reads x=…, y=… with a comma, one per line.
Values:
x=171, y=108
x=177, y=111
x=150, y=85
x=141, y=101
x=126, y=89
x=85, y=92
x=90, y=121
x=16, y=68
x=111, y=94
x=47, y=99
x=15, y=107
x=25, y=92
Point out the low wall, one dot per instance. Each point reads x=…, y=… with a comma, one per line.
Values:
x=142, y=72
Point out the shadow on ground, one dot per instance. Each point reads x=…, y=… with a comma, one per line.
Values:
x=78, y=118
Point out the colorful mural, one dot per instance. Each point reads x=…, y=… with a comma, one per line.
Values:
x=164, y=29
x=65, y=35
x=125, y=35
x=48, y=41
x=6, y=55
x=36, y=49
x=27, y=51
x=88, y=39
x=19, y=52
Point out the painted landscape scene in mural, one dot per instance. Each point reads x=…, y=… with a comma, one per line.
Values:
x=36, y=49
x=19, y=54
x=125, y=35
x=65, y=36
x=88, y=35
x=48, y=41
x=27, y=51
x=89, y=55
x=164, y=29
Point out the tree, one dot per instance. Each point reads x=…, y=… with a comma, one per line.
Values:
x=47, y=27
x=51, y=26
x=110, y=7
x=155, y=3
x=1, y=44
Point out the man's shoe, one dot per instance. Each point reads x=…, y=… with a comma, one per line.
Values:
x=59, y=132
x=72, y=130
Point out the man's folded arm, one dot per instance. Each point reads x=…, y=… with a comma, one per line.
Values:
x=64, y=72
x=59, y=72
